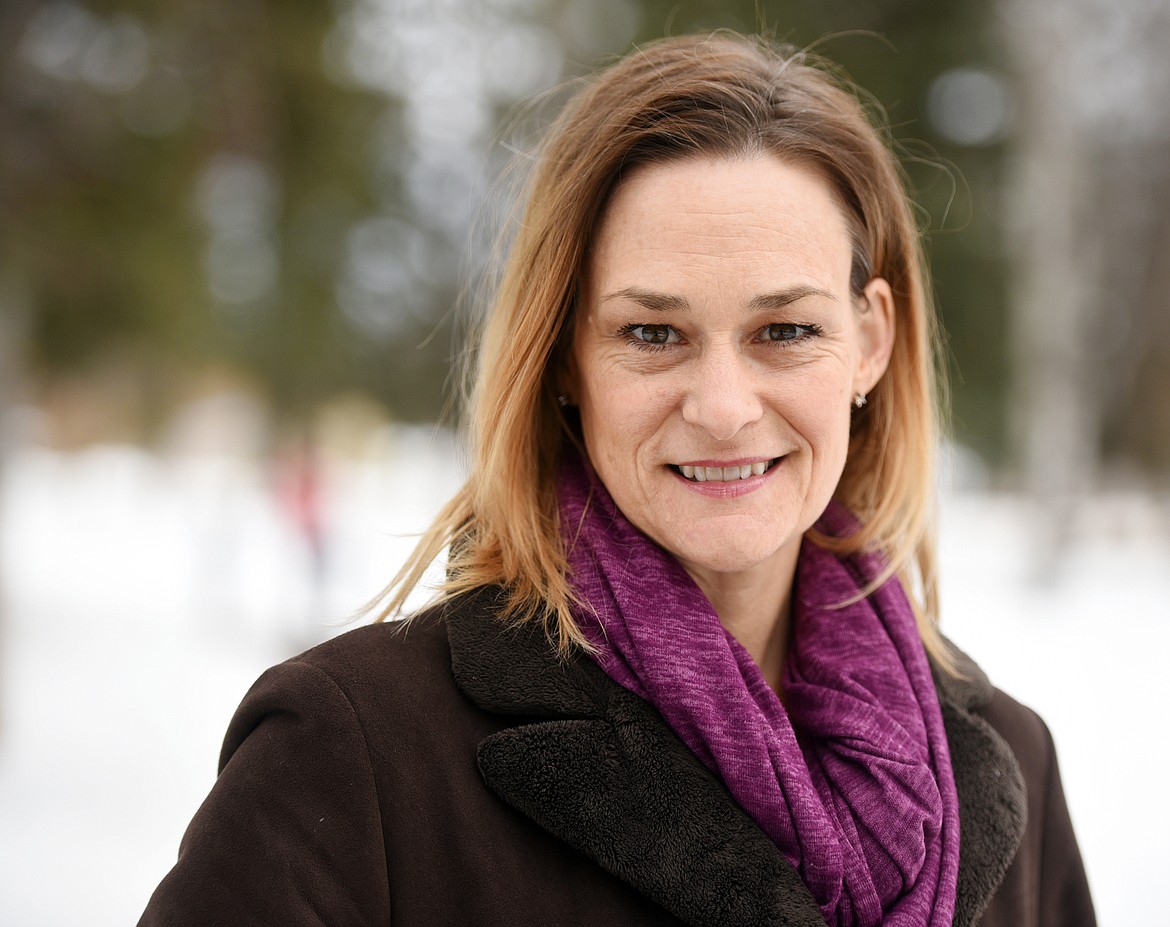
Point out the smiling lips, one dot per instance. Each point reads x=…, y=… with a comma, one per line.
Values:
x=724, y=474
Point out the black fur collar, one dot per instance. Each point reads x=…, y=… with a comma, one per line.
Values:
x=598, y=768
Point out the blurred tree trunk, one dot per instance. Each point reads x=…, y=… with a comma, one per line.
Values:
x=13, y=344
x=1087, y=207
x=14, y=16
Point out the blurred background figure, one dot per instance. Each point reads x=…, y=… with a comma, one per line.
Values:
x=224, y=223
x=300, y=492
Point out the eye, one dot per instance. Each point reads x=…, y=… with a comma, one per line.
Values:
x=651, y=335
x=785, y=332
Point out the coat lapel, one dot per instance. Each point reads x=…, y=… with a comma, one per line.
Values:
x=993, y=807
x=598, y=768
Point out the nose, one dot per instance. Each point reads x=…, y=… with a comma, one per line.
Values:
x=722, y=394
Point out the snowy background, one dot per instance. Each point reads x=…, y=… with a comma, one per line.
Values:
x=142, y=594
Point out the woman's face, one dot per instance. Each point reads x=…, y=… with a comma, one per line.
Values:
x=716, y=354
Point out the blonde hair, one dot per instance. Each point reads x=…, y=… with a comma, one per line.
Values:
x=719, y=95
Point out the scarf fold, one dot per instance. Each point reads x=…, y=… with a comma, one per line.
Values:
x=852, y=781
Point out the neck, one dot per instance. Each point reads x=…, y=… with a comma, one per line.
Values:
x=755, y=606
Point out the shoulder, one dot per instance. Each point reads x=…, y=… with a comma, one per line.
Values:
x=376, y=657
x=970, y=695
x=414, y=651
x=1030, y=743
x=417, y=649
x=995, y=737
x=312, y=777
x=1048, y=874
x=1012, y=808
x=1025, y=733
x=1020, y=729
x=389, y=684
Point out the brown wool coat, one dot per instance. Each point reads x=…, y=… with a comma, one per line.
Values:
x=459, y=774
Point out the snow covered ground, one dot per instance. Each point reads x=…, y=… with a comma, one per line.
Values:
x=142, y=595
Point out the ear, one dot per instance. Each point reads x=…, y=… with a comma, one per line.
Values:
x=875, y=328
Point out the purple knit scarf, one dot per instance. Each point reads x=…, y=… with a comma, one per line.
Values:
x=853, y=782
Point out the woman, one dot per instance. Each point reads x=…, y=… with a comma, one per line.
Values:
x=685, y=667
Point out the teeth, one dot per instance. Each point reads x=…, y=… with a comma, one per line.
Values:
x=724, y=474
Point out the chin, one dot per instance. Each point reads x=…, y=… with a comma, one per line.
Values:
x=718, y=556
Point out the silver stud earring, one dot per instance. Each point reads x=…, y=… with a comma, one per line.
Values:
x=859, y=400
x=563, y=399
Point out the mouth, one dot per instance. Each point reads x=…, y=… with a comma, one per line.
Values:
x=732, y=474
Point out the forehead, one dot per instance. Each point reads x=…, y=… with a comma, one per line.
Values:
x=758, y=221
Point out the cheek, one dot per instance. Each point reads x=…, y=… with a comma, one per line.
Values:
x=613, y=418
x=830, y=453
x=619, y=413
x=817, y=408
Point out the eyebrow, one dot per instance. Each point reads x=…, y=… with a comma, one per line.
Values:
x=787, y=296
x=657, y=302
x=664, y=302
